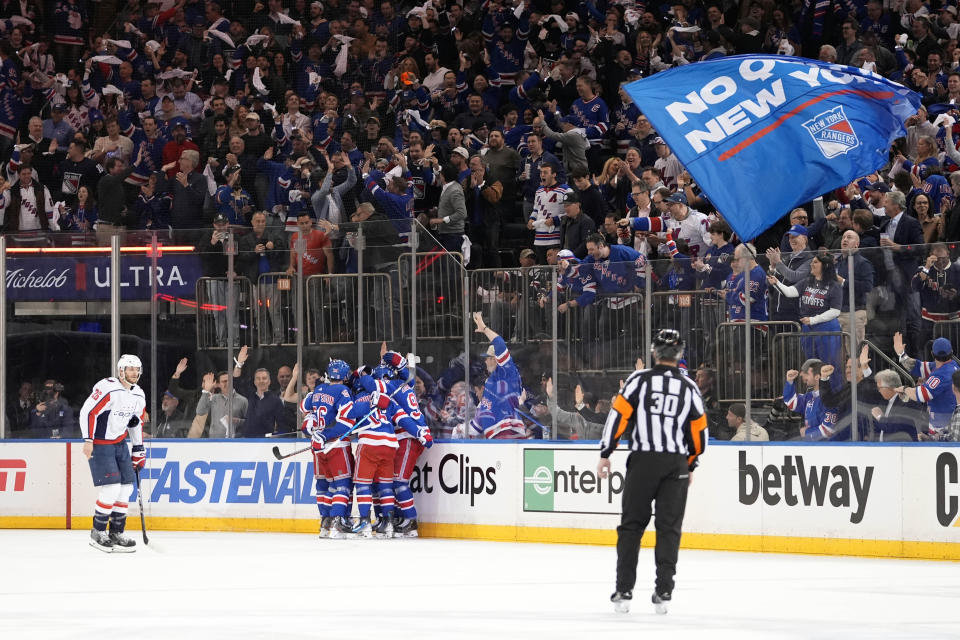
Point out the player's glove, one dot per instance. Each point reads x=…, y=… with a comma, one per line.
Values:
x=361, y=371
x=138, y=456
x=379, y=400
x=424, y=437
x=318, y=440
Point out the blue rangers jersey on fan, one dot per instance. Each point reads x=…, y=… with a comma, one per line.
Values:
x=329, y=407
x=621, y=272
x=593, y=116
x=496, y=414
x=506, y=58
x=936, y=391
x=820, y=421
x=737, y=301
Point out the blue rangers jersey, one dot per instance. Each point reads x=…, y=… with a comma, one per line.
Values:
x=385, y=422
x=621, y=272
x=593, y=116
x=496, y=415
x=506, y=58
x=329, y=408
x=936, y=391
x=405, y=398
x=737, y=301
x=820, y=421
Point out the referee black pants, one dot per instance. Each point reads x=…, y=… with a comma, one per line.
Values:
x=660, y=477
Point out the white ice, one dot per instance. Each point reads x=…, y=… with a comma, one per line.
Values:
x=258, y=585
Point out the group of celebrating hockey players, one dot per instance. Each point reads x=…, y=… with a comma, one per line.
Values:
x=380, y=406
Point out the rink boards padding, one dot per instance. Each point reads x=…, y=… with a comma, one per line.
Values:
x=866, y=500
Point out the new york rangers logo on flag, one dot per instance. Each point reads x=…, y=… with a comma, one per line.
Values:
x=832, y=132
x=798, y=127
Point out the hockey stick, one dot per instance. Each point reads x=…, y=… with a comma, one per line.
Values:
x=143, y=521
x=407, y=384
x=359, y=426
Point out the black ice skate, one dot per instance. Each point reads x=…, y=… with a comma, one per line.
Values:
x=406, y=528
x=621, y=601
x=100, y=540
x=326, y=526
x=342, y=528
x=384, y=528
x=121, y=543
x=660, y=601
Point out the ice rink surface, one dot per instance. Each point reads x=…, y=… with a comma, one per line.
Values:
x=259, y=585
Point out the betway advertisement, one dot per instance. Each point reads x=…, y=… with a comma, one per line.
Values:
x=88, y=277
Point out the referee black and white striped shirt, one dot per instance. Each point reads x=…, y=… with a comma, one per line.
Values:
x=663, y=411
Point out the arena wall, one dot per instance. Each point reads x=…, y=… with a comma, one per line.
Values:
x=844, y=499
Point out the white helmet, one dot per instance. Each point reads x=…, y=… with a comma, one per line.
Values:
x=127, y=360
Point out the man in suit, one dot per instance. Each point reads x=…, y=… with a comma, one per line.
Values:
x=902, y=238
x=451, y=214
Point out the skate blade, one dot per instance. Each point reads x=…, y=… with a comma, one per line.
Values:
x=622, y=607
x=100, y=547
x=117, y=549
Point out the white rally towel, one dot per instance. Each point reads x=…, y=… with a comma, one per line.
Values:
x=122, y=44
x=111, y=90
x=340, y=66
x=220, y=35
x=107, y=59
x=255, y=39
x=258, y=83
x=283, y=18
x=211, y=181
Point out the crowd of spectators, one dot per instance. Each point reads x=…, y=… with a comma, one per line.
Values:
x=502, y=127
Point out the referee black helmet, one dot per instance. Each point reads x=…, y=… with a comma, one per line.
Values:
x=667, y=345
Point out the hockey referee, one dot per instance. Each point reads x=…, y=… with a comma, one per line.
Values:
x=662, y=410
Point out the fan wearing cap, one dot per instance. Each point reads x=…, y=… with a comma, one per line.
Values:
x=790, y=269
x=938, y=282
x=936, y=390
x=496, y=417
x=684, y=223
x=575, y=227
x=572, y=281
x=173, y=150
x=233, y=202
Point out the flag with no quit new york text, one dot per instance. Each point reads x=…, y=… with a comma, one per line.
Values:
x=762, y=134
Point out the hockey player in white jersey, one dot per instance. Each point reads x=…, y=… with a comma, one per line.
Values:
x=114, y=410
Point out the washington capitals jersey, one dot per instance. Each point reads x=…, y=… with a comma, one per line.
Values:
x=937, y=390
x=328, y=408
x=106, y=414
x=820, y=421
x=497, y=411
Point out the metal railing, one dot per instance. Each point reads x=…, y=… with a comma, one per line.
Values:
x=439, y=294
x=275, y=303
x=766, y=385
x=336, y=309
x=695, y=314
x=213, y=319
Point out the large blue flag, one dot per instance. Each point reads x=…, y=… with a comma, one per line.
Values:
x=763, y=134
